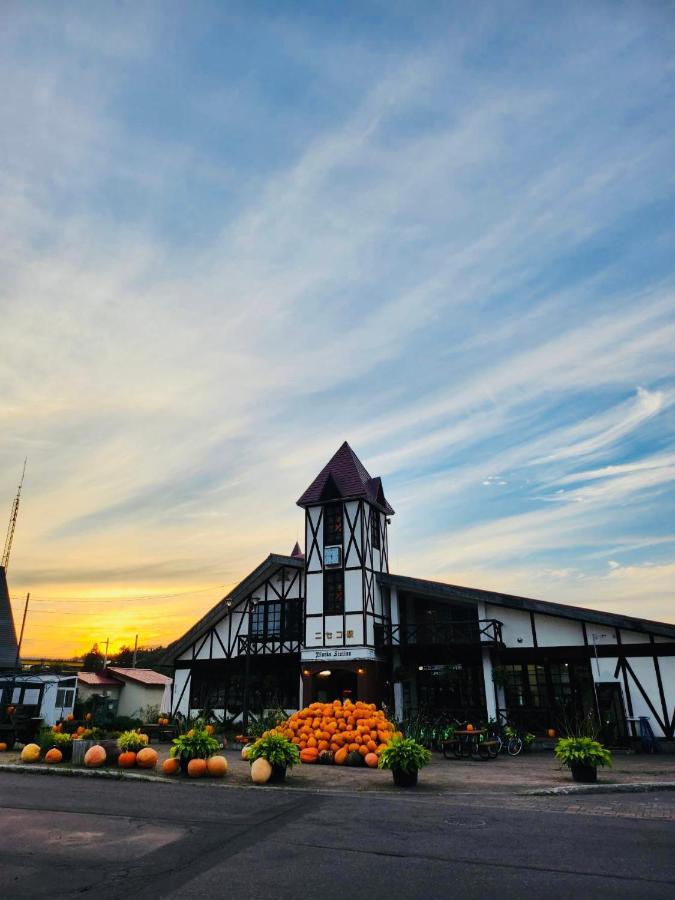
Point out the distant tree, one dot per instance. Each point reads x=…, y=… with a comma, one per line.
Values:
x=93, y=660
x=146, y=657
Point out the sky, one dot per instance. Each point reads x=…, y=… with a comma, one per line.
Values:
x=234, y=235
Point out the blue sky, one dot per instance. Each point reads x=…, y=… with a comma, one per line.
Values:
x=235, y=235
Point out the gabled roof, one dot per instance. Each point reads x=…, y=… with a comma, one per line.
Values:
x=96, y=679
x=443, y=591
x=8, y=644
x=141, y=676
x=230, y=602
x=345, y=477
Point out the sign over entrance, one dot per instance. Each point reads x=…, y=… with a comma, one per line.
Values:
x=338, y=653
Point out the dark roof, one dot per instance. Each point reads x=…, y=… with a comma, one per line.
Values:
x=8, y=644
x=443, y=591
x=239, y=593
x=345, y=477
x=296, y=552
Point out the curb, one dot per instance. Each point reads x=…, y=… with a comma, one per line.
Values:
x=110, y=774
x=636, y=787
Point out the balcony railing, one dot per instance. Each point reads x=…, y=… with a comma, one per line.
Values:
x=267, y=646
x=477, y=631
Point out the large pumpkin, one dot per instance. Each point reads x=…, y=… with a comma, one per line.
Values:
x=372, y=760
x=53, y=756
x=326, y=758
x=30, y=753
x=354, y=758
x=341, y=756
x=3, y=747
x=171, y=766
x=146, y=758
x=126, y=760
x=309, y=755
x=261, y=771
x=196, y=768
x=94, y=757
x=216, y=766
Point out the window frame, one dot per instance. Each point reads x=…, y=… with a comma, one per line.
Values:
x=333, y=592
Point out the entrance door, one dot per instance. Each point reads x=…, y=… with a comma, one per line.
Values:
x=613, y=730
x=341, y=684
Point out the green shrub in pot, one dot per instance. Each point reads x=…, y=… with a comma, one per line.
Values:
x=279, y=752
x=405, y=757
x=582, y=755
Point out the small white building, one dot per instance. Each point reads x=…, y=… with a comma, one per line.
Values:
x=133, y=689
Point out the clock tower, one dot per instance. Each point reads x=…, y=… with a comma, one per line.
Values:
x=346, y=547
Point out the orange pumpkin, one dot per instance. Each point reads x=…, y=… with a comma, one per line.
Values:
x=196, y=768
x=87, y=717
x=94, y=757
x=309, y=755
x=171, y=766
x=70, y=717
x=216, y=766
x=469, y=727
x=3, y=747
x=551, y=732
x=30, y=753
x=341, y=756
x=146, y=758
x=372, y=760
x=126, y=760
x=53, y=756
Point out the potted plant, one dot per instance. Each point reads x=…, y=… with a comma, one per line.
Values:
x=528, y=740
x=582, y=755
x=50, y=739
x=194, y=744
x=279, y=752
x=405, y=757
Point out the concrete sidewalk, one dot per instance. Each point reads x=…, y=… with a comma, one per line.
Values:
x=506, y=776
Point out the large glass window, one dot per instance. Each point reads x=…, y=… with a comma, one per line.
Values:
x=332, y=524
x=333, y=592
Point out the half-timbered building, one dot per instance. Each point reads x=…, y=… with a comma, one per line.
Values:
x=333, y=621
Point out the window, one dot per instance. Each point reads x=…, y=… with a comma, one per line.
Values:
x=333, y=592
x=332, y=524
x=375, y=528
x=273, y=629
x=292, y=620
x=258, y=620
x=64, y=698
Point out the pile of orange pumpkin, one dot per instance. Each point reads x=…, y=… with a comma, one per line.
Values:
x=339, y=729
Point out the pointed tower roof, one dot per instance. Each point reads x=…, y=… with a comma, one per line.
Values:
x=296, y=552
x=8, y=644
x=345, y=477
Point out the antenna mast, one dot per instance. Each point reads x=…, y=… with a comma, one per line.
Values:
x=12, y=521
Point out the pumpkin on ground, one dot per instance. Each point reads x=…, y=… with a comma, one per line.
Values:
x=261, y=771
x=372, y=760
x=95, y=756
x=354, y=758
x=216, y=766
x=245, y=750
x=146, y=758
x=326, y=758
x=171, y=766
x=309, y=755
x=3, y=747
x=196, y=768
x=53, y=756
x=30, y=753
x=126, y=760
x=341, y=756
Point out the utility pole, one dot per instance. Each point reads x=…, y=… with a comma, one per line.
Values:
x=23, y=625
x=133, y=665
x=105, y=658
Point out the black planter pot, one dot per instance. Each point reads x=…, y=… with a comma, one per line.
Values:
x=278, y=773
x=584, y=773
x=404, y=779
x=184, y=763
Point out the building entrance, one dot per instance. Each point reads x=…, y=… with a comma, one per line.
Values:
x=335, y=684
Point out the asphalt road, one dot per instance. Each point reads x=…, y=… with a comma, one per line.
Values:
x=68, y=837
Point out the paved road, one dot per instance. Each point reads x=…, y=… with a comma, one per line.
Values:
x=68, y=837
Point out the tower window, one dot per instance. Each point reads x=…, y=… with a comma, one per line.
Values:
x=332, y=524
x=333, y=592
x=374, y=528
